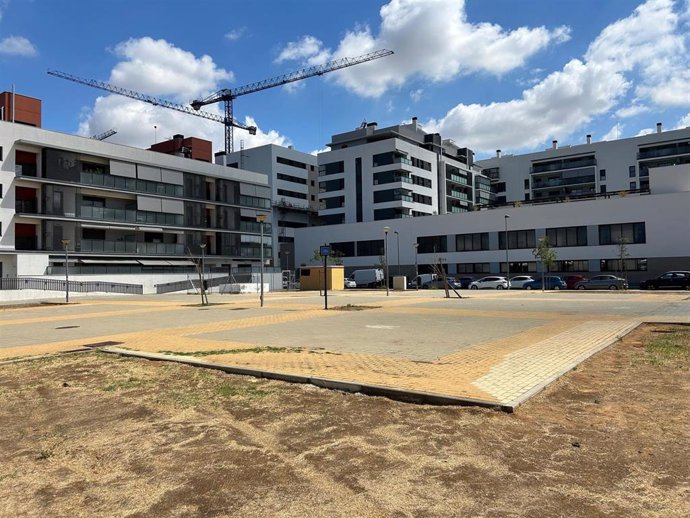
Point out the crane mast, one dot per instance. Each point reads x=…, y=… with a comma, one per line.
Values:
x=227, y=95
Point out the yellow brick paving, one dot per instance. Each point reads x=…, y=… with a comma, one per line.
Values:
x=500, y=371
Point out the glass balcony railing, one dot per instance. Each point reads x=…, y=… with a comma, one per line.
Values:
x=131, y=247
x=25, y=169
x=558, y=182
x=562, y=165
x=131, y=216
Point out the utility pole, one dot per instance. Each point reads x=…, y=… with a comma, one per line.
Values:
x=261, y=218
x=397, y=238
x=416, y=267
x=65, y=244
x=385, y=255
x=506, y=217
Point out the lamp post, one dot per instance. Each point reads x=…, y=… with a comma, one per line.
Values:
x=261, y=218
x=65, y=244
x=505, y=218
x=397, y=239
x=416, y=267
x=385, y=255
x=203, y=281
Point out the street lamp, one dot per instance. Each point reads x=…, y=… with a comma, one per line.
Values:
x=416, y=267
x=65, y=245
x=506, y=217
x=397, y=238
x=203, y=282
x=385, y=254
x=261, y=218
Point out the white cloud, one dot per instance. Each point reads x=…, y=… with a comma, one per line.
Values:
x=158, y=68
x=416, y=95
x=674, y=92
x=632, y=110
x=17, y=46
x=614, y=133
x=648, y=41
x=432, y=39
x=3, y=6
x=684, y=121
x=308, y=49
x=236, y=34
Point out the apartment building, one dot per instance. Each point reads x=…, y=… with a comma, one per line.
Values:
x=586, y=199
x=584, y=170
x=373, y=174
x=119, y=208
x=292, y=179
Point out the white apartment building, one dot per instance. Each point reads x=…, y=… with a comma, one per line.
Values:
x=120, y=209
x=585, y=198
x=584, y=170
x=291, y=178
x=373, y=174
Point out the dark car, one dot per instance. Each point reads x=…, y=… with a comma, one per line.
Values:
x=603, y=282
x=669, y=280
x=572, y=280
x=551, y=282
x=438, y=283
x=465, y=282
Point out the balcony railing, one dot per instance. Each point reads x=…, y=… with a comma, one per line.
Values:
x=679, y=149
x=537, y=184
x=131, y=247
x=26, y=206
x=561, y=166
x=131, y=216
x=25, y=169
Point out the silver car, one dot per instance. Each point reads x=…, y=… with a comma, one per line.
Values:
x=519, y=281
x=603, y=282
x=493, y=282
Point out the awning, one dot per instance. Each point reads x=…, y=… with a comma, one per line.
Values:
x=151, y=262
x=108, y=261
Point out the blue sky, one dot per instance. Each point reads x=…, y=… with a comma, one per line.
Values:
x=489, y=74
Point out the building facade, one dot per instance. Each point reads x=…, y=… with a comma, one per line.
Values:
x=620, y=207
x=291, y=177
x=373, y=174
x=116, y=207
x=585, y=170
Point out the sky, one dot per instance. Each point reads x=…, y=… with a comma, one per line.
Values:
x=500, y=74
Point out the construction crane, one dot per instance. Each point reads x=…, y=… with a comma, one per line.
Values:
x=101, y=85
x=227, y=95
x=105, y=134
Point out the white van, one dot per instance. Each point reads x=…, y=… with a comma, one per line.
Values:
x=370, y=278
x=423, y=280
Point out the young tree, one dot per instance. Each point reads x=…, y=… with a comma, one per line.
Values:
x=622, y=250
x=545, y=253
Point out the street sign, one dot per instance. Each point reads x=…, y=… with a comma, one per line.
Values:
x=325, y=250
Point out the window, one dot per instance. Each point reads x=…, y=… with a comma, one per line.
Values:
x=472, y=242
x=522, y=267
x=369, y=248
x=472, y=268
x=332, y=185
x=332, y=168
x=0, y=190
x=572, y=266
x=499, y=187
x=526, y=196
x=331, y=203
x=602, y=174
x=633, y=186
x=293, y=179
x=517, y=239
x=567, y=236
x=0, y=152
x=292, y=194
x=343, y=249
x=632, y=171
x=527, y=183
x=628, y=265
x=418, y=162
x=418, y=180
x=293, y=163
x=420, y=198
x=629, y=232
x=602, y=189
x=432, y=244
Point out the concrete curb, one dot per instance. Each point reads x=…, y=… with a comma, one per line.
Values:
x=398, y=394
x=541, y=386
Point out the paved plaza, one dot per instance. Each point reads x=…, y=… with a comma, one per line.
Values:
x=490, y=347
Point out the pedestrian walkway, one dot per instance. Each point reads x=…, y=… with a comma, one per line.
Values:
x=486, y=348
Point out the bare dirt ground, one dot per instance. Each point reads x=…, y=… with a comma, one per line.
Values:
x=98, y=435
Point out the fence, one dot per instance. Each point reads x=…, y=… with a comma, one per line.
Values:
x=190, y=283
x=24, y=283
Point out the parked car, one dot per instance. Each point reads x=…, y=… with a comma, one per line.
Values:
x=603, y=282
x=572, y=280
x=669, y=280
x=550, y=282
x=465, y=282
x=438, y=283
x=369, y=278
x=350, y=283
x=519, y=281
x=493, y=282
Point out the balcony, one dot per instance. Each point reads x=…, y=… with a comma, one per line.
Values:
x=130, y=184
x=25, y=169
x=680, y=148
x=26, y=206
x=559, y=182
x=457, y=179
x=131, y=216
x=131, y=247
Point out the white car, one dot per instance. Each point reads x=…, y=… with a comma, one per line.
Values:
x=519, y=281
x=493, y=282
x=349, y=283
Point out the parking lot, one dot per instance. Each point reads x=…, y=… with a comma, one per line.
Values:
x=490, y=347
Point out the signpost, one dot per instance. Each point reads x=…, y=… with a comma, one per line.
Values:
x=325, y=251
